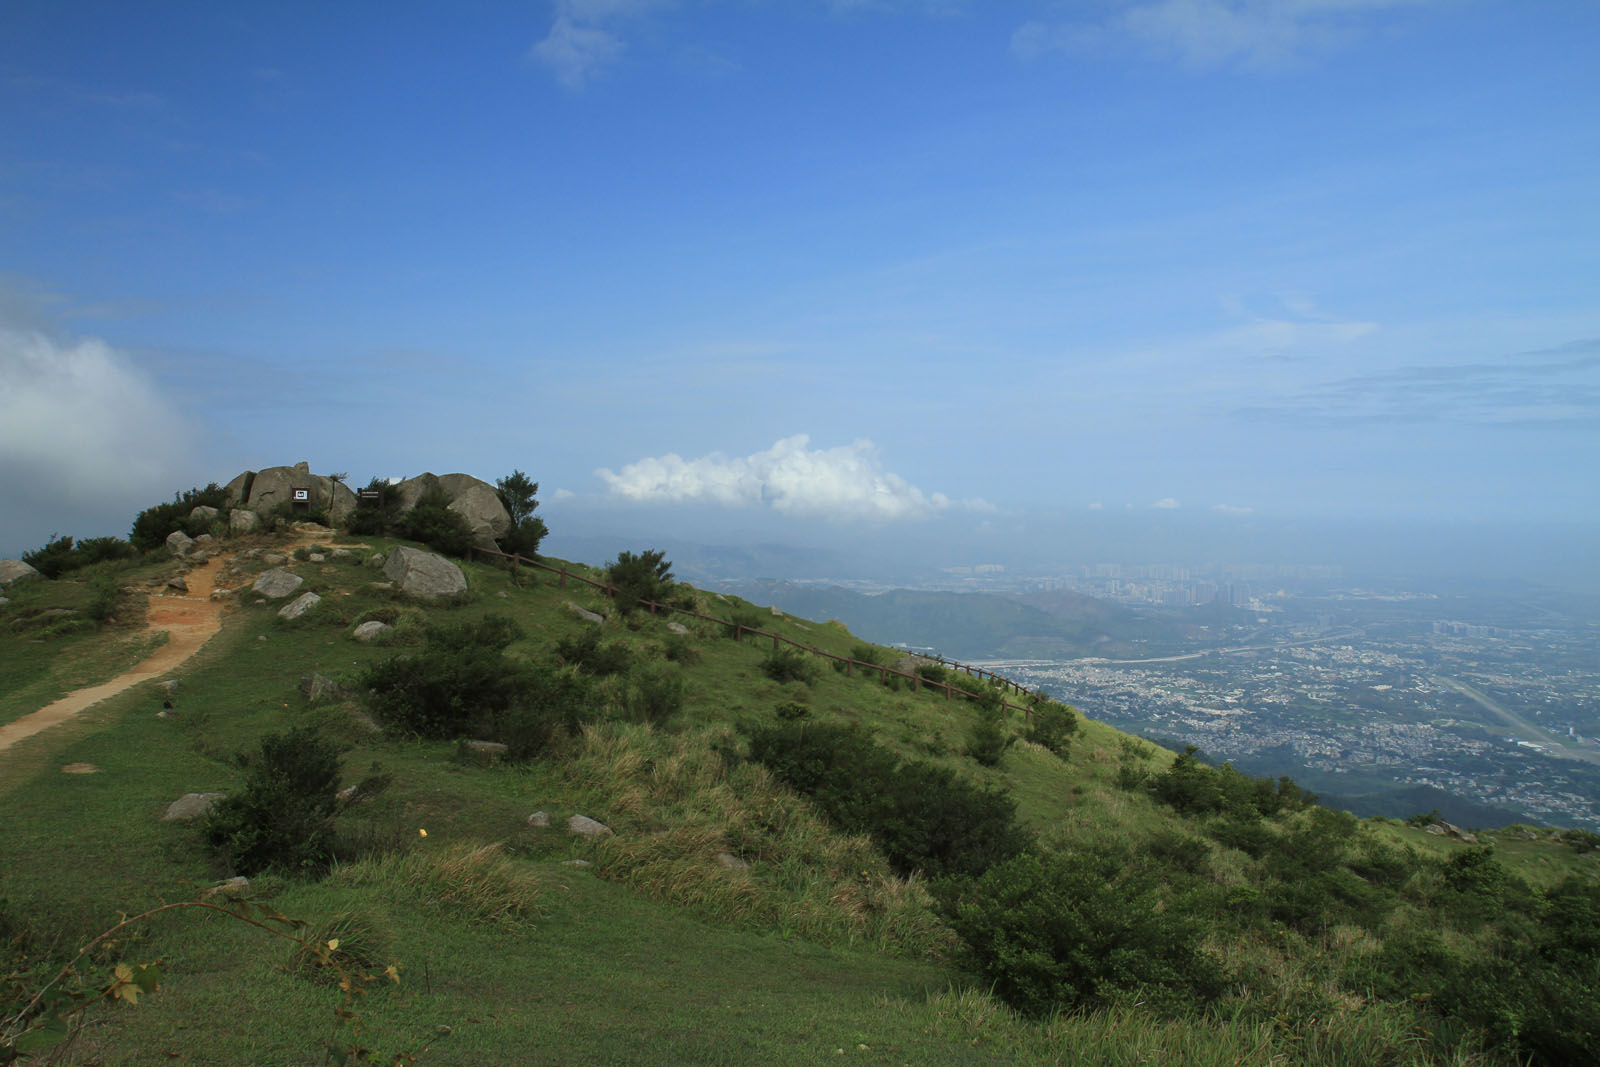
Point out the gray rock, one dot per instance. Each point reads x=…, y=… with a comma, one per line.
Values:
x=190, y=806
x=4, y=600
x=197, y=557
x=223, y=594
x=239, y=489
x=241, y=521
x=456, y=484
x=576, y=863
x=341, y=553
x=13, y=571
x=177, y=583
x=342, y=501
x=317, y=557
x=204, y=539
x=480, y=506
x=584, y=826
x=275, y=485
x=169, y=686
x=584, y=614
x=377, y=559
x=677, y=628
x=371, y=631
x=346, y=795
x=486, y=753
x=411, y=489
x=424, y=574
x=277, y=583
x=1435, y=829
x=178, y=543
x=776, y=614
x=732, y=862
x=317, y=687
x=539, y=818
x=299, y=605
x=274, y=559
x=205, y=513
x=230, y=887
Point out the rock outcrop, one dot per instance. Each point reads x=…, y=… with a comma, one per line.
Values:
x=261, y=491
x=424, y=574
x=13, y=571
x=299, y=605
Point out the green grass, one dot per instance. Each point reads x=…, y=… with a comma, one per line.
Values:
x=655, y=953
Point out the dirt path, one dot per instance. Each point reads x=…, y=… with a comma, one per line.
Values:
x=188, y=619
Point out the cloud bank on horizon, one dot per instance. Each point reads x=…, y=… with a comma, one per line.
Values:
x=81, y=425
x=848, y=482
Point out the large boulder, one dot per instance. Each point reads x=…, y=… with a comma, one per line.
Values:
x=481, y=507
x=190, y=806
x=277, y=583
x=241, y=521
x=178, y=543
x=238, y=490
x=204, y=513
x=13, y=571
x=424, y=574
x=275, y=485
x=370, y=631
x=411, y=489
x=341, y=502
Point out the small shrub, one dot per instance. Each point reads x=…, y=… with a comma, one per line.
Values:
x=589, y=654
x=788, y=665
x=743, y=617
x=283, y=817
x=865, y=654
x=1052, y=725
x=638, y=578
x=432, y=522
x=791, y=710
x=461, y=676
x=677, y=649
x=363, y=946
x=104, y=594
x=932, y=672
x=655, y=693
x=1049, y=933
x=987, y=737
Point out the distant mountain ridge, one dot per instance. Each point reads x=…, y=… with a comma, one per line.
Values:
x=971, y=625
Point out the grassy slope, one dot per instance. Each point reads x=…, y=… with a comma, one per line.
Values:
x=601, y=973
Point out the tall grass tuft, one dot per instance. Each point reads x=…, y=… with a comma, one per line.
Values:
x=478, y=881
x=676, y=806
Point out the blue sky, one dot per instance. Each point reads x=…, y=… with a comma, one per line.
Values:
x=847, y=266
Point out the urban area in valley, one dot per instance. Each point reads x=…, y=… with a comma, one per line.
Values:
x=1480, y=702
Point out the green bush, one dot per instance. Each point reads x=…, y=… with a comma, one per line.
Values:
x=432, y=522
x=153, y=525
x=381, y=517
x=788, y=665
x=589, y=654
x=460, y=678
x=923, y=817
x=639, y=578
x=865, y=654
x=104, y=595
x=988, y=737
x=59, y=555
x=283, y=817
x=655, y=693
x=518, y=494
x=1052, y=725
x=1052, y=933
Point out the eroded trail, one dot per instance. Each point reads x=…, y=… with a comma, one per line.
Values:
x=189, y=620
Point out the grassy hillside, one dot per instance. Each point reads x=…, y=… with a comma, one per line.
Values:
x=728, y=918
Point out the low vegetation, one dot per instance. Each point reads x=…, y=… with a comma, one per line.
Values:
x=847, y=866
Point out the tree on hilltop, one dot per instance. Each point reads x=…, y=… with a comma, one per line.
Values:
x=517, y=493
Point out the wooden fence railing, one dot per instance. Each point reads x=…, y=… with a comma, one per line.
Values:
x=851, y=665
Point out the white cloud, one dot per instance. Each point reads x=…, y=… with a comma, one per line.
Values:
x=83, y=432
x=847, y=482
x=1212, y=33
x=576, y=53
x=1166, y=503
x=1232, y=509
x=1097, y=506
x=563, y=494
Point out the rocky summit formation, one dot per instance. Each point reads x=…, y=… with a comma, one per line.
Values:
x=255, y=493
x=14, y=570
x=261, y=491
